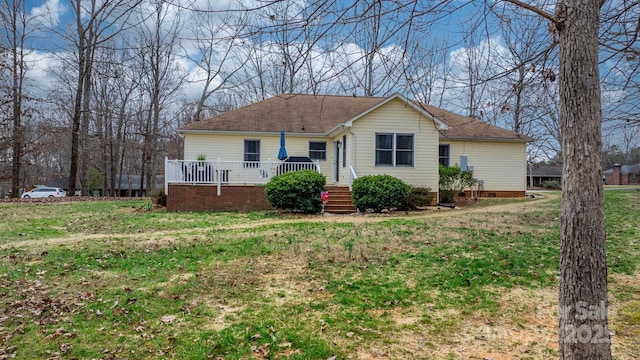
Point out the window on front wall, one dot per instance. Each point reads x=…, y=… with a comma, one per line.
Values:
x=443, y=155
x=394, y=150
x=251, y=153
x=318, y=150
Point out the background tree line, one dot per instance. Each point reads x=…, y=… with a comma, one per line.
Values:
x=104, y=84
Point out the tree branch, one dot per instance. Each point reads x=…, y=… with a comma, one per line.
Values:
x=534, y=9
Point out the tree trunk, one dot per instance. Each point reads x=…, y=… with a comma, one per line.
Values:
x=583, y=329
x=75, y=127
x=76, y=118
x=18, y=72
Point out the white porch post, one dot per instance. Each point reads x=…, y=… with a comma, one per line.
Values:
x=166, y=175
x=218, y=175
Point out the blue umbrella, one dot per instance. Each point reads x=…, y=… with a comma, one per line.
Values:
x=282, y=154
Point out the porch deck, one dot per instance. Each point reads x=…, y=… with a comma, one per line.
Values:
x=223, y=172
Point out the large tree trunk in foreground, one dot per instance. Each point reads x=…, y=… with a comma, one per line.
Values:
x=583, y=329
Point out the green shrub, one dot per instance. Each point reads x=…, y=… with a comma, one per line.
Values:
x=552, y=185
x=447, y=196
x=96, y=179
x=418, y=197
x=296, y=191
x=453, y=180
x=160, y=198
x=378, y=192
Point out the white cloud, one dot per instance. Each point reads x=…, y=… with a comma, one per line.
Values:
x=49, y=13
x=43, y=68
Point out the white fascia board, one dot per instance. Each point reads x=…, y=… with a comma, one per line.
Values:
x=483, y=139
x=249, y=133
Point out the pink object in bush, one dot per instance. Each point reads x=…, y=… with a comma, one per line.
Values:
x=324, y=196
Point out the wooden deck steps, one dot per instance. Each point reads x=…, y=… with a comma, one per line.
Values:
x=339, y=200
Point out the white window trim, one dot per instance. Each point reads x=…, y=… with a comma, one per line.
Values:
x=244, y=153
x=394, y=149
x=325, y=150
x=448, y=154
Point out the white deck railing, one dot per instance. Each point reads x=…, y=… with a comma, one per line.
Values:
x=352, y=176
x=222, y=172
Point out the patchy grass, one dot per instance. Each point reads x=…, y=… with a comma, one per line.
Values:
x=113, y=280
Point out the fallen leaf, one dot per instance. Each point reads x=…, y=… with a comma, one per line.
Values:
x=168, y=319
x=262, y=350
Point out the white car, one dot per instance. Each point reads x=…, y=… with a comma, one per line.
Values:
x=44, y=192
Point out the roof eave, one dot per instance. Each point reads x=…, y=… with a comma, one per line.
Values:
x=500, y=139
x=249, y=133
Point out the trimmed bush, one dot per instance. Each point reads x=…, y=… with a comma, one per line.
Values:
x=418, y=197
x=296, y=191
x=552, y=185
x=378, y=192
x=160, y=198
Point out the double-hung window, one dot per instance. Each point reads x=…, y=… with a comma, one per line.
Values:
x=404, y=150
x=318, y=150
x=394, y=149
x=443, y=155
x=251, y=153
x=384, y=149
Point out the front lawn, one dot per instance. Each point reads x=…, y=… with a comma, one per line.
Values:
x=112, y=280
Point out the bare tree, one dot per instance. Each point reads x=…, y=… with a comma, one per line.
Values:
x=17, y=28
x=373, y=58
x=158, y=36
x=427, y=72
x=214, y=38
x=620, y=56
x=96, y=23
x=113, y=88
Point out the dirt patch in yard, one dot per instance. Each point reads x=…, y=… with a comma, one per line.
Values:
x=525, y=327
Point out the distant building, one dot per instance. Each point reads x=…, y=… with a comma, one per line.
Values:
x=622, y=175
x=539, y=173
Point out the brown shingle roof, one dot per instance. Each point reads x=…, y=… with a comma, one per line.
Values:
x=304, y=114
x=466, y=128
x=544, y=170
x=319, y=114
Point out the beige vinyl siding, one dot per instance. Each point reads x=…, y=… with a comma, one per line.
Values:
x=502, y=165
x=230, y=147
x=396, y=117
x=344, y=174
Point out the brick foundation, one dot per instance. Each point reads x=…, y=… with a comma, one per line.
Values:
x=205, y=198
x=250, y=197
